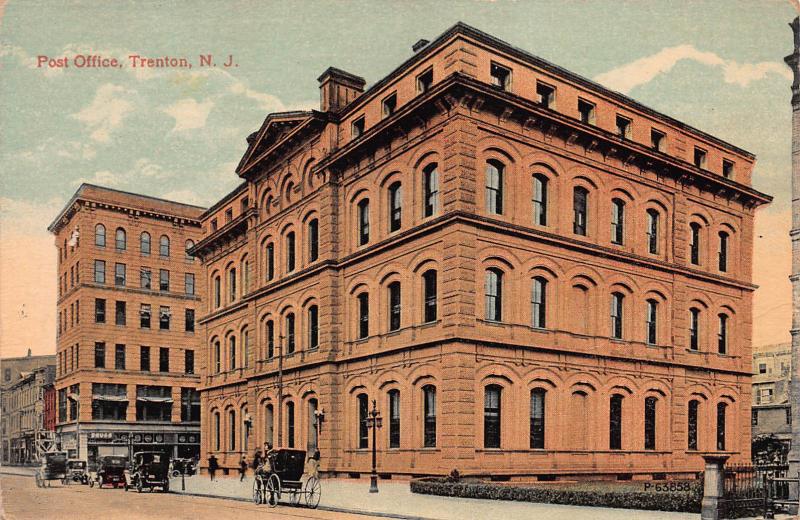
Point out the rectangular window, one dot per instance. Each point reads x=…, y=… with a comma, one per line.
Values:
x=214, y=225
x=228, y=215
x=579, y=203
x=144, y=316
x=754, y=417
x=699, y=158
x=694, y=329
x=389, y=105
x=617, y=221
x=394, y=306
x=188, y=361
x=154, y=403
x=394, y=419
x=363, y=421
x=547, y=95
x=290, y=252
x=652, y=322
x=189, y=320
x=363, y=315
x=109, y=402
x=657, y=140
x=163, y=318
x=119, y=357
x=119, y=275
x=727, y=169
x=144, y=359
x=99, y=355
x=99, y=310
x=146, y=278
x=424, y=81
x=163, y=280
x=243, y=204
x=762, y=368
x=313, y=327
x=120, y=313
x=491, y=417
x=586, y=111
x=189, y=284
x=190, y=405
x=270, y=262
x=616, y=315
x=217, y=291
x=163, y=359
x=615, y=423
x=313, y=240
x=537, y=419
x=363, y=222
x=623, y=127
x=357, y=128
x=652, y=231
x=290, y=343
x=99, y=271
x=650, y=404
x=429, y=278
x=501, y=76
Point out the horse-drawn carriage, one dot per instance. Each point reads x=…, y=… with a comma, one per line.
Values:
x=53, y=466
x=284, y=473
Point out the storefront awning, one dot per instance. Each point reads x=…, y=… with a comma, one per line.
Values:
x=114, y=398
x=155, y=399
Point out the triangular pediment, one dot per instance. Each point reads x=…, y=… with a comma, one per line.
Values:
x=275, y=127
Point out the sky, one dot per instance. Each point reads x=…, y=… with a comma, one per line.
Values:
x=179, y=133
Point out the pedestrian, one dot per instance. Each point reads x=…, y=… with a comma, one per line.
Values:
x=212, y=466
x=242, y=468
x=256, y=460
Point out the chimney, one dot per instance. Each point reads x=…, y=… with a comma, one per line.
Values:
x=419, y=45
x=29, y=352
x=338, y=88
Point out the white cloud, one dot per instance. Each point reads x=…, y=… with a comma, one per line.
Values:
x=265, y=102
x=142, y=169
x=107, y=111
x=639, y=72
x=188, y=113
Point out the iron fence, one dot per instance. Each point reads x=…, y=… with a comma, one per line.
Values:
x=748, y=489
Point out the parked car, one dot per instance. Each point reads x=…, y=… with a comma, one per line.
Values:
x=110, y=471
x=150, y=469
x=185, y=466
x=76, y=472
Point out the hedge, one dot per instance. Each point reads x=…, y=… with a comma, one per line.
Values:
x=687, y=502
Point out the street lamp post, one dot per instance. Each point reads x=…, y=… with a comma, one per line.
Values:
x=319, y=416
x=374, y=421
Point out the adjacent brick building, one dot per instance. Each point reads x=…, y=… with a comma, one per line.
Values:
x=528, y=273
x=127, y=296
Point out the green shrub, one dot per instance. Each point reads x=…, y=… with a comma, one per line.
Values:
x=688, y=502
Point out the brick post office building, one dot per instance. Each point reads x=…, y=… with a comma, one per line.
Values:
x=128, y=294
x=528, y=273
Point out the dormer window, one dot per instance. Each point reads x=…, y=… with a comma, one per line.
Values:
x=700, y=158
x=358, y=128
x=586, y=111
x=658, y=140
x=389, y=105
x=623, y=127
x=727, y=169
x=547, y=95
x=501, y=76
x=424, y=81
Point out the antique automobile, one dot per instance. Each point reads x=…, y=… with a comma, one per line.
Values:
x=150, y=469
x=76, y=472
x=110, y=471
x=53, y=466
x=284, y=472
x=182, y=466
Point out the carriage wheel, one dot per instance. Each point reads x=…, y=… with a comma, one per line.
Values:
x=273, y=493
x=258, y=495
x=313, y=492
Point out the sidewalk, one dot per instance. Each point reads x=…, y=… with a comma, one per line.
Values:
x=395, y=500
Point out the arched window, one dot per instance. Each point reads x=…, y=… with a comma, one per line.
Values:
x=232, y=430
x=232, y=285
x=269, y=424
x=311, y=434
x=694, y=328
x=270, y=261
x=394, y=418
x=429, y=422
x=540, y=199
x=615, y=423
x=493, y=289
x=694, y=405
x=245, y=429
x=290, y=424
x=187, y=250
x=363, y=315
x=652, y=231
x=245, y=362
x=163, y=247
x=313, y=327
x=650, y=409
x=395, y=206
x=313, y=240
x=492, y=398
x=617, y=221
x=363, y=425
x=363, y=222
x=580, y=203
x=144, y=243
x=539, y=302
x=617, y=302
x=217, y=292
x=537, y=418
x=694, y=243
x=723, y=251
x=429, y=303
x=120, y=240
x=290, y=344
x=270, y=334
x=232, y=352
x=99, y=236
x=394, y=306
x=290, y=252
x=721, y=409
x=722, y=334
x=494, y=187
x=652, y=322
x=217, y=432
x=217, y=357
x=431, y=190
